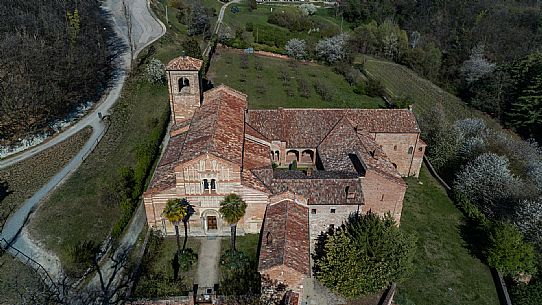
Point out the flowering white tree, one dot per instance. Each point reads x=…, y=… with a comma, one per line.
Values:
x=332, y=49
x=528, y=219
x=488, y=182
x=155, y=71
x=470, y=127
x=477, y=66
x=307, y=9
x=296, y=48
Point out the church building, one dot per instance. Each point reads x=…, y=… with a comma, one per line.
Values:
x=300, y=171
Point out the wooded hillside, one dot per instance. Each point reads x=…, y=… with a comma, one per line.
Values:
x=486, y=51
x=53, y=56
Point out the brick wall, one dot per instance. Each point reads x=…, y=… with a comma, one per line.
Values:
x=382, y=195
x=397, y=147
x=183, y=103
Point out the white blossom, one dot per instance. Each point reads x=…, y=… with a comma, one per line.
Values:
x=296, y=48
x=332, y=49
x=477, y=66
x=307, y=9
x=528, y=219
x=155, y=71
x=488, y=182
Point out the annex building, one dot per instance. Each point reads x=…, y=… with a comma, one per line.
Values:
x=348, y=160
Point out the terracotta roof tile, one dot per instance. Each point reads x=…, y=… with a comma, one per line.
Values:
x=164, y=176
x=301, y=128
x=217, y=127
x=328, y=191
x=185, y=63
x=285, y=239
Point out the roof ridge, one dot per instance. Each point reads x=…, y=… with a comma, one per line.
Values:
x=215, y=123
x=332, y=128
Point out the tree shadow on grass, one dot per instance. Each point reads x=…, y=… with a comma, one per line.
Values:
x=475, y=236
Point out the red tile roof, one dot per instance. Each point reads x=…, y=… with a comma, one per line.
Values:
x=256, y=156
x=285, y=239
x=164, y=175
x=185, y=63
x=217, y=127
x=301, y=128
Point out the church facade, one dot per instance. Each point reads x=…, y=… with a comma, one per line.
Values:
x=300, y=171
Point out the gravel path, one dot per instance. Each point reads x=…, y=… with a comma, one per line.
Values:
x=146, y=29
x=209, y=254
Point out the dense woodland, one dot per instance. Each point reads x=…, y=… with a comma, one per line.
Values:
x=54, y=55
x=486, y=51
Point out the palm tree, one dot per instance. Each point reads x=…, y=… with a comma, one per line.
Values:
x=189, y=210
x=233, y=209
x=175, y=212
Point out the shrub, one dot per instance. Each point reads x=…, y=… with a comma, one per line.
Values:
x=528, y=218
x=332, y=49
x=81, y=257
x=187, y=259
x=307, y=9
x=527, y=294
x=488, y=182
x=303, y=87
x=292, y=20
x=364, y=255
x=296, y=48
x=374, y=88
x=508, y=252
x=360, y=88
x=155, y=71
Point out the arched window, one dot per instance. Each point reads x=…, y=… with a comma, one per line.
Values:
x=346, y=190
x=395, y=147
x=277, y=156
x=410, y=150
x=213, y=185
x=205, y=185
x=420, y=149
x=183, y=83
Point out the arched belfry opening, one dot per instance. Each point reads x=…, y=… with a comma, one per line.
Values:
x=184, y=85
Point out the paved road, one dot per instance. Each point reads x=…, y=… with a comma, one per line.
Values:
x=146, y=30
x=217, y=26
x=209, y=254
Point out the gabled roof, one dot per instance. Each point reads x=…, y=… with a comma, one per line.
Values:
x=184, y=63
x=301, y=128
x=217, y=127
x=285, y=239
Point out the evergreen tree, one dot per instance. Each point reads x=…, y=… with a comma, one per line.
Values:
x=364, y=255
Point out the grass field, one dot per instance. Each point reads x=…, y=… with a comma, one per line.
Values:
x=247, y=243
x=266, y=89
x=26, y=177
x=156, y=265
x=445, y=273
x=330, y=23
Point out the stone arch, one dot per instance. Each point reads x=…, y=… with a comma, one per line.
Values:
x=184, y=84
x=410, y=150
x=292, y=155
x=307, y=156
x=277, y=156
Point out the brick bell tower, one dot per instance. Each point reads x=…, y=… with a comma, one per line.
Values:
x=184, y=85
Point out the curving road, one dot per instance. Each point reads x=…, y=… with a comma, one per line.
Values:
x=145, y=30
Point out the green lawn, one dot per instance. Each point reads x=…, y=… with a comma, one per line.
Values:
x=329, y=23
x=247, y=244
x=157, y=271
x=445, y=273
x=266, y=89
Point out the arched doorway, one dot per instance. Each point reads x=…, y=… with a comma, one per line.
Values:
x=291, y=156
x=211, y=222
x=307, y=157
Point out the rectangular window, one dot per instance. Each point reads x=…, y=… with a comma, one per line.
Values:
x=332, y=211
x=205, y=185
x=313, y=211
x=382, y=199
x=213, y=186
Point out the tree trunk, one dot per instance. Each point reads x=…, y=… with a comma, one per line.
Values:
x=233, y=236
x=178, y=238
x=185, y=235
